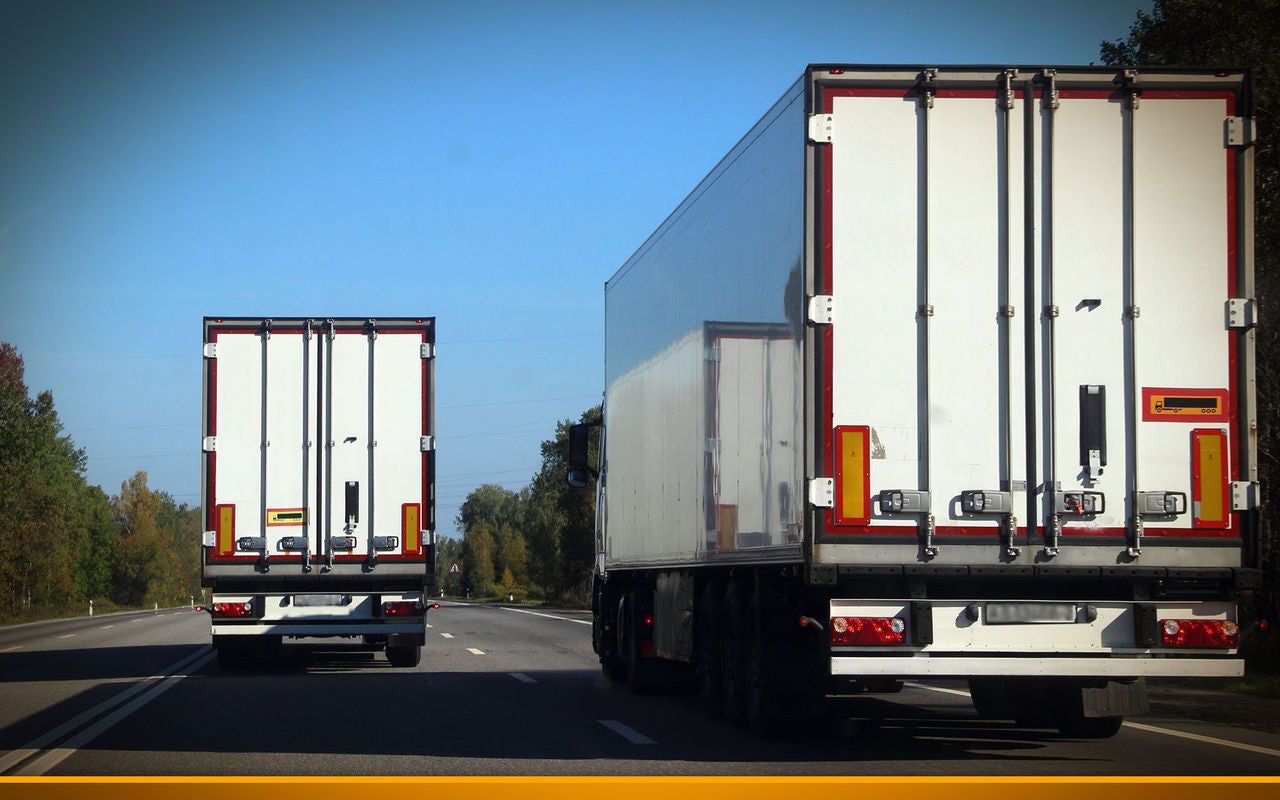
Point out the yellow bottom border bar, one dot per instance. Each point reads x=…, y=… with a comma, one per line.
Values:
x=637, y=788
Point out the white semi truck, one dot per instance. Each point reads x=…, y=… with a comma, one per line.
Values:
x=940, y=373
x=318, y=483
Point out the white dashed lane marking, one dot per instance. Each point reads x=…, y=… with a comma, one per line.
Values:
x=474, y=651
x=626, y=732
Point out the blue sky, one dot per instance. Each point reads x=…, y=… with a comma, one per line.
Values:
x=489, y=164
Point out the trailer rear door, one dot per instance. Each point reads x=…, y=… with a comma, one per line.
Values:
x=319, y=448
x=1032, y=355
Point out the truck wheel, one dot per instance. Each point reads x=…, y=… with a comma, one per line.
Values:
x=762, y=675
x=233, y=655
x=1079, y=726
x=706, y=641
x=733, y=680
x=990, y=699
x=606, y=638
x=642, y=673
x=404, y=655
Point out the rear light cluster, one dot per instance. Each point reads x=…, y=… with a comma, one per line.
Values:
x=244, y=609
x=1217, y=633
x=403, y=608
x=868, y=630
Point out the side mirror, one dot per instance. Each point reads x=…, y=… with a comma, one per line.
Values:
x=577, y=478
x=579, y=443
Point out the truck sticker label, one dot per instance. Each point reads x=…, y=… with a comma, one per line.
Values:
x=286, y=516
x=1183, y=405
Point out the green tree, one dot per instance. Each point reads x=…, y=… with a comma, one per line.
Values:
x=448, y=554
x=93, y=535
x=560, y=520
x=41, y=472
x=1245, y=33
x=491, y=505
x=478, y=548
x=511, y=555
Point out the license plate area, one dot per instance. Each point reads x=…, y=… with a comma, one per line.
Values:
x=321, y=600
x=1029, y=613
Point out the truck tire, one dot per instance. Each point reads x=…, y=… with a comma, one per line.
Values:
x=404, y=655
x=233, y=655
x=706, y=643
x=643, y=674
x=763, y=675
x=990, y=699
x=605, y=619
x=1079, y=726
x=733, y=679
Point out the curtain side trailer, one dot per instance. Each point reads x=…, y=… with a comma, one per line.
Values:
x=318, y=483
x=940, y=373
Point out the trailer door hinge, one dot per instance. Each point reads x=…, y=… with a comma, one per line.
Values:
x=1244, y=495
x=426, y=443
x=1241, y=313
x=1239, y=131
x=821, y=309
x=210, y=444
x=427, y=350
x=822, y=492
x=211, y=350
x=820, y=128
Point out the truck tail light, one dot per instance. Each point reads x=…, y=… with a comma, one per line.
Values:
x=1216, y=633
x=403, y=608
x=232, y=610
x=868, y=630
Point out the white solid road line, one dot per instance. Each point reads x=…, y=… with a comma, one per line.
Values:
x=1195, y=737
x=520, y=676
x=548, y=616
x=59, y=754
x=626, y=732
x=39, y=743
x=66, y=636
x=11, y=649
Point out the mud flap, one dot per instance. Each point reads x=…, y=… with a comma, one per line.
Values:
x=1115, y=699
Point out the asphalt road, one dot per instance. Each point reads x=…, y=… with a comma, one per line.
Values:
x=499, y=692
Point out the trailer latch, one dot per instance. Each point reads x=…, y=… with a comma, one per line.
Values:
x=1162, y=504
x=903, y=501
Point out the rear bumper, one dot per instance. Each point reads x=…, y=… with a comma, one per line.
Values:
x=305, y=615
x=1041, y=667
x=1083, y=639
